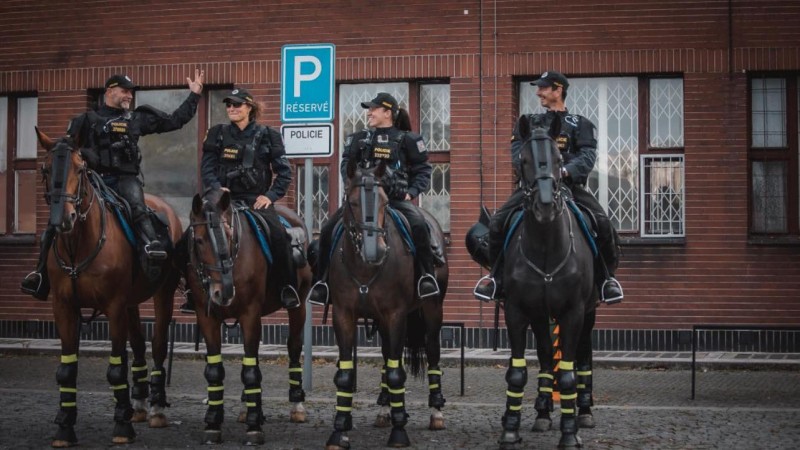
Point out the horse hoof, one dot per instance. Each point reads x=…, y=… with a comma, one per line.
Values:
x=383, y=421
x=398, y=438
x=65, y=437
x=254, y=438
x=569, y=440
x=542, y=425
x=123, y=433
x=212, y=436
x=437, y=423
x=586, y=421
x=120, y=440
x=58, y=443
x=139, y=416
x=337, y=441
x=158, y=421
x=298, y=417
x=242, y=417
x=509, y=439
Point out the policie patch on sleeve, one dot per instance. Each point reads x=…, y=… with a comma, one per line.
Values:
x=421, y=146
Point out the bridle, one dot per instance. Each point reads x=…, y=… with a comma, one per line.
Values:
x=224, y=250
x=364, y=234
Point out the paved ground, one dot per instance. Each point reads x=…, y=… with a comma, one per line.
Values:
x=755, y=406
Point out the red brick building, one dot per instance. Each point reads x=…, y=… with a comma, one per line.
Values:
x=696, y=104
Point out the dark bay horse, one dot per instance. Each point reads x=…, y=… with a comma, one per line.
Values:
x=372, y=276
x=229, y=268
x=93, y=265
x=549, y=273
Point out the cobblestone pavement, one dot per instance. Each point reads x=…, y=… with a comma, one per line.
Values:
x=636, y=408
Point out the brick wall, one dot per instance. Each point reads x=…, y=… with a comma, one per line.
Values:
x=60, y=48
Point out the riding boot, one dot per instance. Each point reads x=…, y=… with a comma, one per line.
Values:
x=37, y=282
x=289, y=297
x=318, y=295
x=610, y=289
x=153, y=248
x=490, y=287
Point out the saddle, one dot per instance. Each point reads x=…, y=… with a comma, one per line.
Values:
x=297, y=235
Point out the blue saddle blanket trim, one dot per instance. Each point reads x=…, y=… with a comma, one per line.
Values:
x=516, y=218
x=404, y=232
x=586, y=232
x=338, y=231
x=262, y=240
x=284, y=222
x=120, y=215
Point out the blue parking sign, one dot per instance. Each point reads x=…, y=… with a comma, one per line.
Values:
x=308, y=82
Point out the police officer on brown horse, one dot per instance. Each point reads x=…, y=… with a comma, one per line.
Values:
x=578, y=144
x=109, y=140
x=389, y=139
x=241, y=157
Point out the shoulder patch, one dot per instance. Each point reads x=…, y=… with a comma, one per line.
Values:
x=421, y=146
x=571, y=119
x=348, y=140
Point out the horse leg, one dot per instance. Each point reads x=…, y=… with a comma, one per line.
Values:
x=383, y=419
x=251, y=376
x=163, y=302
x=570, y=325
x=215, y=376
x=516, y=377
x=584, y=373
x=294, y=346
x=344, y=326
x=67, y=374
x=117, y=375
x=545, y=379
x=433, y=314
x=140, y=388
x=395, y=333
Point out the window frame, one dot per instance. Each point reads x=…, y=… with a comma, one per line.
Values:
x=15, y=165
x=788, y=155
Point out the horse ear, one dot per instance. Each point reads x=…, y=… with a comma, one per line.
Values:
x=352, y=164
x=197, y=204
x=225, y=201
x=555, y=128
x=524, y=127
x=44, y=139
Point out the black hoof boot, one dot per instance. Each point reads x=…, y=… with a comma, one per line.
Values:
x=337, y=440
x=398, y=438
x=65, y=437
x=123, y=433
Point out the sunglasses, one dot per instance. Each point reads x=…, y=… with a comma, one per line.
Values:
x=233, y=105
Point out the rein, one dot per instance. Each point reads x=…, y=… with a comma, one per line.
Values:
x=223, y=259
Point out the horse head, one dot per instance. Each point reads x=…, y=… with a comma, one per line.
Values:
x=365, y=210
x=209, y=245
x=64, y=175
x=541, y=164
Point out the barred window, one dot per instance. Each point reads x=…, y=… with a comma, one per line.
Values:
x=18, y=177
x=320, y=195
x=662, y=196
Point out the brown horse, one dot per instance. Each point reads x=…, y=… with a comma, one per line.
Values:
x=372, y=276
x=227, y=264
x=92, y=265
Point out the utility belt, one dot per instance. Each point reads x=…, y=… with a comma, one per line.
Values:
x=121, y=156
x=247, y=177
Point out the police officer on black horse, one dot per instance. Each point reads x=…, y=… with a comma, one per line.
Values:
x=389, y=139
x=241, y=157
x=109, y=139
x=578, y=144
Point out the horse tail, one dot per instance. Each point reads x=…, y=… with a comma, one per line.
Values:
x=415, y=342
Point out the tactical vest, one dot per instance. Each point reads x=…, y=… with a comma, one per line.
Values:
x=116, y=147
x=390, y=150
x=240, y=168
x=566, y=140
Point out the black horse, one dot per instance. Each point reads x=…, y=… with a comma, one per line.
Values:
x=549, y=273
x=372, y=276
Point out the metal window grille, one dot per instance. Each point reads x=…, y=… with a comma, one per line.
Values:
x=320, y=195
x=436, y=200
x=435, y=116
x=666, y=113
x=663, y=196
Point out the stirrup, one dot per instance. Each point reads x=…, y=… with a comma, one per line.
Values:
x=289, y=297
x=612, y=300
x=32, y=276
x=490, y=282
x=154, y=253
x=321, y=284
x=419, y=286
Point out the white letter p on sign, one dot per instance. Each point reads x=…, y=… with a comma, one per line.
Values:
x=299, y=76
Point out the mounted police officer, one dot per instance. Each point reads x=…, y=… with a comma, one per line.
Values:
x=241, y=157
x=389, y=139
x=578, y=145
x=109, y=140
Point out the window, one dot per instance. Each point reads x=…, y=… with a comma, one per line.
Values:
x=319, y=188
x=18, y=177
x=429, y=107
x=650, y=205
x=773, y=154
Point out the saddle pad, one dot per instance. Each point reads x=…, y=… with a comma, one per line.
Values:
x=402, y=225
x=262, y=240
x=582, y=222
x=111, y=199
